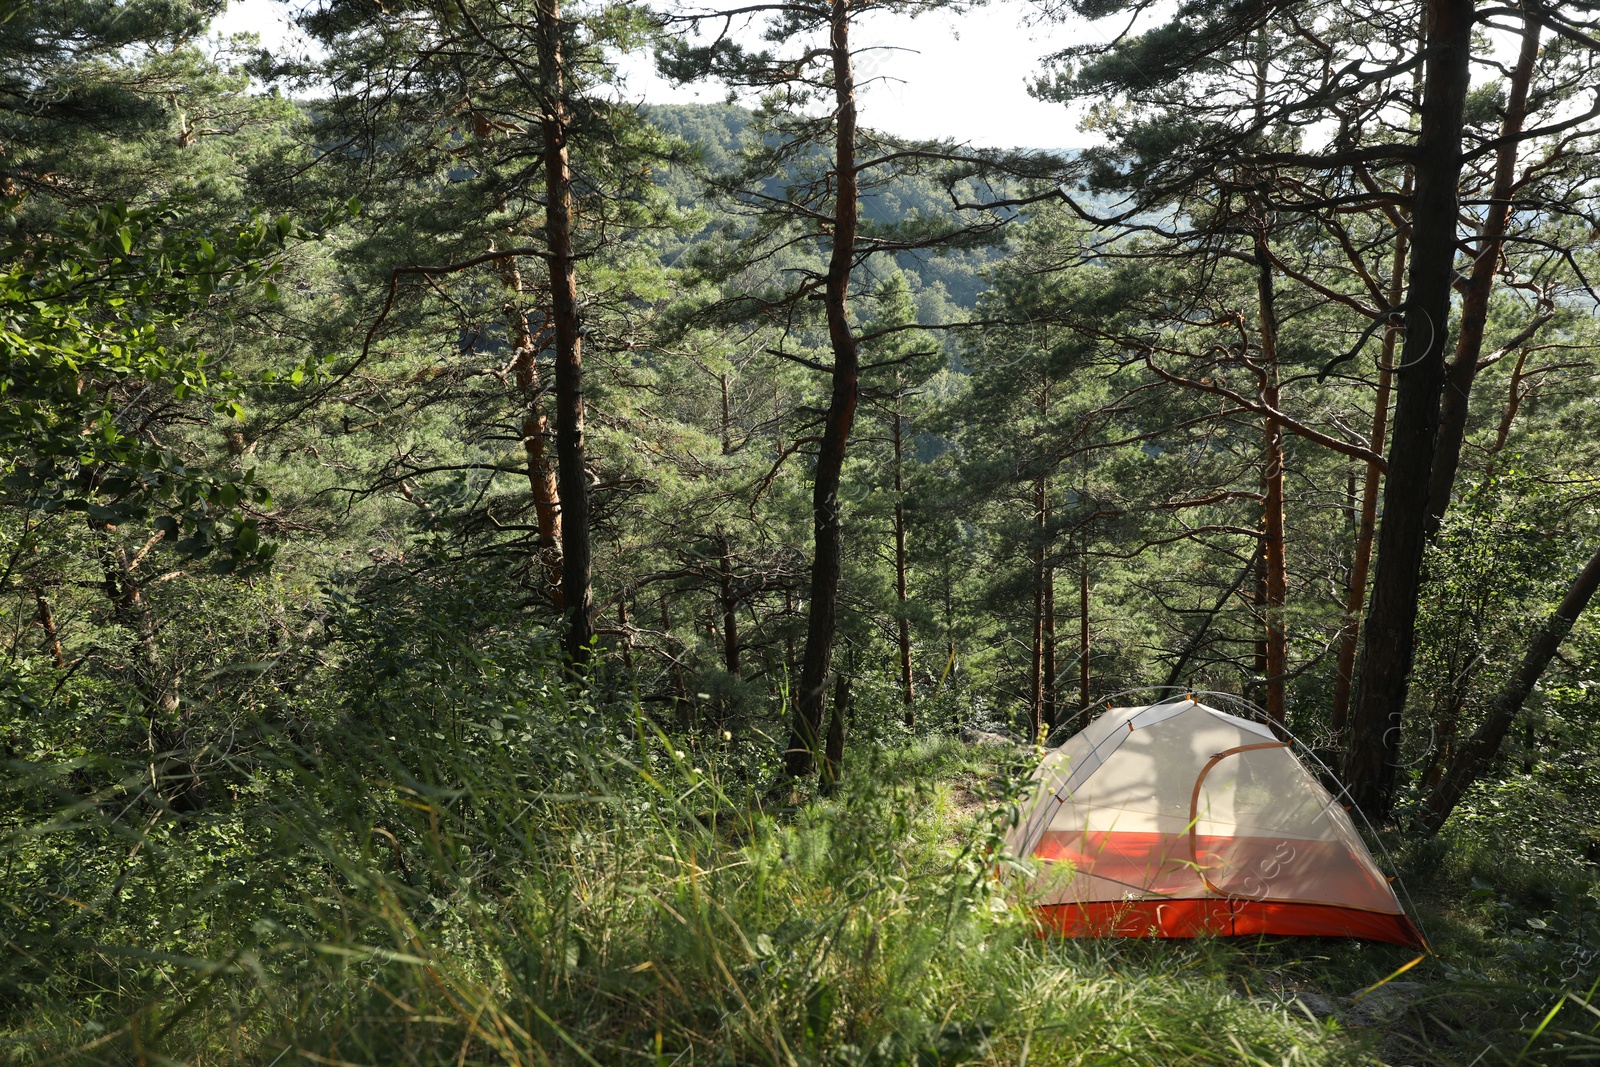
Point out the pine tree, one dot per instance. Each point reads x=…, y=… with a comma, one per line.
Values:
x=494, y=114
x=1169, y=152
x=827, y=162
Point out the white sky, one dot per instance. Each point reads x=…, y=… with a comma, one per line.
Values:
x=963, y=77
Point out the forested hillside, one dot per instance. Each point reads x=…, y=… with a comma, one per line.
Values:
x=491, y=572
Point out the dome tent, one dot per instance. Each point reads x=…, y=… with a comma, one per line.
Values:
x=1176, y=819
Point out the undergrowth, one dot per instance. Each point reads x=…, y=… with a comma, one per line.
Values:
x=434, y=874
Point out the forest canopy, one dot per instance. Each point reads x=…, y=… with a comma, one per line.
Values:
x=493, y=571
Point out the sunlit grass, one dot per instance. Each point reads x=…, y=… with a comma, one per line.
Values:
x=581, y=887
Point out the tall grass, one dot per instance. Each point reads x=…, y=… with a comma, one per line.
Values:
x=431, y=850
x=564, y=883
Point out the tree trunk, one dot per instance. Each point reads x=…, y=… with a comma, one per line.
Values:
x=1480, y=284
x=1370, y=763
x=833, y=751
x=908, y=692
x=730, y=610
x=1049, y=672
x=572, y=477
x=1356, y=591
x=1036, y=662
x=827, y=553
x=1273, y=556
x=1083, y=635
x=535, y=435
x=627, y=633
x=947, y=611
x=789, y=663
x=1508, y=415
x=1481, y=747
x=47, y=622
x=1258, y=668
x=1273, y=652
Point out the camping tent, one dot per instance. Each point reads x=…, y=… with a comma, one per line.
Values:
x=1178, y=819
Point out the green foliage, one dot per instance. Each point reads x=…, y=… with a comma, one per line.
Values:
x=92, y=318
x=560, y=883
x=350, y=810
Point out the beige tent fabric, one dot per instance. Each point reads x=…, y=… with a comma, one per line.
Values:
x=1182, y=801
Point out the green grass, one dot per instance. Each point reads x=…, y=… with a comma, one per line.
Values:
x=577, y=887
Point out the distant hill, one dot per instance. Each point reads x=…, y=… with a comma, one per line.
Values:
x=946, y=284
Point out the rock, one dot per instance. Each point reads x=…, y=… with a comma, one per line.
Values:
x=1383, y=1005
x=1315, y=1004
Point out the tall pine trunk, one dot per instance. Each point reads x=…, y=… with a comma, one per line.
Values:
x=730, y=608
x=1463, y=370
x=535, y=434
x=1275, y=574
x=833, y=750
x=791, y=666
x=828, y=549
x=1048, y=712
x=1373, y=755
x=1274, y=650
x=1356, y=590
x=1036, y=659
x=1083, y=634
x=908, y=692
x=571, y=475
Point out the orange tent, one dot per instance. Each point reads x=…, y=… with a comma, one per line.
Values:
x=1175, y=820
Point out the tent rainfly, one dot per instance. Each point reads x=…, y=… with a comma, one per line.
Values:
x=1177, y=820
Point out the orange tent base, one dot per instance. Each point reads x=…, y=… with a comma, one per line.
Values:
x=1222, y=917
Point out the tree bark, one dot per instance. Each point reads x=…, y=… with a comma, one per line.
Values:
x=727, y=414
x=173, y=776
x=1485, y=741
x=908, y=691
x=571, y=475
x=1083, y=635
x=790, y=664
x=1464, y=367
x=827, y=553
x=1036, y=661
x=1273, y=655
x=47, y=622
x=1274, y=559
x=730, y=610
x=1356, y=590
x=1508, y=415
x=627, y=633
x=535, y=435
x=1048, y=714
x=833, y=751
x=1371, y=761
x=1255, y=687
